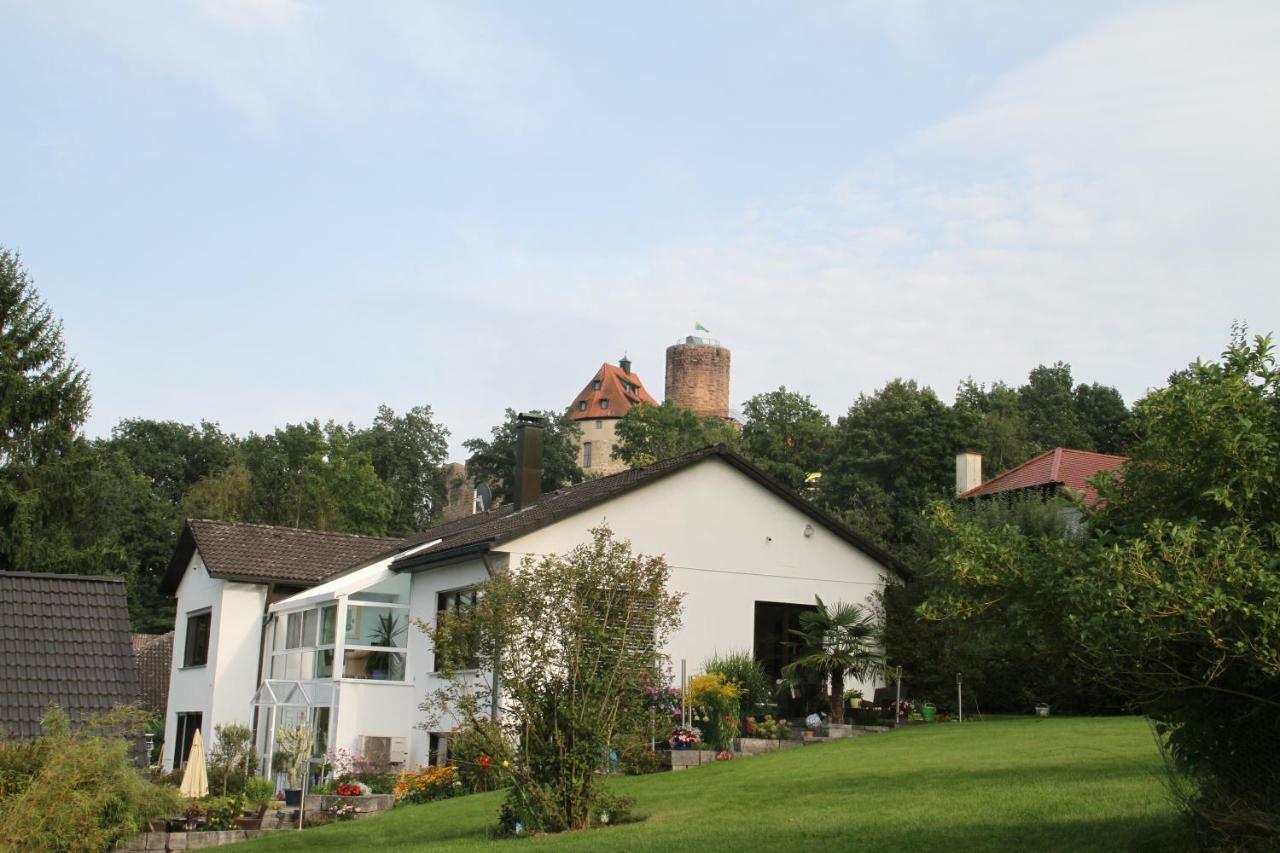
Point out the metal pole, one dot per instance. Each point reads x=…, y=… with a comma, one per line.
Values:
x=897, y=705
x=960, y=695
x=684, y=689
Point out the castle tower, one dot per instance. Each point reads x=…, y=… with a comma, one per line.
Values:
x=610, y=394
x=698, y=376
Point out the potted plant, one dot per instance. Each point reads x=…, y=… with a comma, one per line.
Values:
x=834, y=642
x=385, y=634
x=296, y=745
x=258, y=793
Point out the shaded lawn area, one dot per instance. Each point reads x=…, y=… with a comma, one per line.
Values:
x=1018, y=784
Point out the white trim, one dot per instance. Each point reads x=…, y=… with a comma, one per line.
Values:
x=345, y=584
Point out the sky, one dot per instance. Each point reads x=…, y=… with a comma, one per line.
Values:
x=259, y=212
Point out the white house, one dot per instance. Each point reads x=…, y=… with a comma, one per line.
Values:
x=748, y=553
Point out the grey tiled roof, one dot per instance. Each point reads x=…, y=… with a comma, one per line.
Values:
x=268, y=554
x=478, y=532
x=64, y=639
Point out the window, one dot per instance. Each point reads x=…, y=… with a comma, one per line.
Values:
x=303, y=646
x=599, y=424
x=188, y=725
x=453, y=601
x=438, y=749
x=582, y=405
x=604, y=404
x=195, y=651
x=595, y=386
x=586, y=454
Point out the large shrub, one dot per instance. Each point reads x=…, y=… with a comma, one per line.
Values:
x=1171, y=590
x=747, y=675
x=572, y=639
x=76, y=791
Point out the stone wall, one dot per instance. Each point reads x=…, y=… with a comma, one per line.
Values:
x=698, y=378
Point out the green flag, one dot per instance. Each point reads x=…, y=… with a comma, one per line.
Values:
x=698, y=327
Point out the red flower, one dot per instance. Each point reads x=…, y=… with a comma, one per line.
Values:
x=485, y=762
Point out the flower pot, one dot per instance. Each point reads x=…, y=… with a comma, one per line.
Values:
x=293, y=796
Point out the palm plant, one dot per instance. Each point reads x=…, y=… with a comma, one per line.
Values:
x=835, y=642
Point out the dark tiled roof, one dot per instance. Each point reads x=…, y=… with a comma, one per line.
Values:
x=478, y=532
x=64, y=639
x=265, y=554
x=152, y=656
x=1061, y=466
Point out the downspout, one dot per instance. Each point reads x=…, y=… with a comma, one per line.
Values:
x=262, y=641
x=497, y=653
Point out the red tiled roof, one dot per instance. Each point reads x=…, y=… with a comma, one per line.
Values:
x=615, y=386
x=1061, y=466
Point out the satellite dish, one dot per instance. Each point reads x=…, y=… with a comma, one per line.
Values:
x=483, y=499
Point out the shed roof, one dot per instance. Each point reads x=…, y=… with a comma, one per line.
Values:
x=1061, y=466
x=64, y=640
x=263, y=553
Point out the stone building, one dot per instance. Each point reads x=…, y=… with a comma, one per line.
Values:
x=606, y=398
x=698, y=376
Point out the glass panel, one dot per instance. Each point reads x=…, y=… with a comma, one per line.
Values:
x=277, y=634
x=377, y=626
x=390, y=591
x=328, y=625
x=277, y=666
x=308, y=664
x=320, y=725
x=324, y=663
x=377, y=666
x=309, y=620
x=293, y=633
x=292, y=666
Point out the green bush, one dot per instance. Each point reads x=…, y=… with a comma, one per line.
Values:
x=468, y=749
x=259, y=792
x=742, y=670
x=637, y=758
x=84, y=793
x=221, y=812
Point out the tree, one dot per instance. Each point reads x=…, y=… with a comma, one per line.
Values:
x=1002, y=433
x=786, y=435
x=173, y=456
x=648, y=433
x=573, y=641
x=1049, y=406
x=893, y=452
x=408, y=452
x=1170, y=592
x=834, y=642
x=1104, y=416
x=494, y=461
x=44, y=395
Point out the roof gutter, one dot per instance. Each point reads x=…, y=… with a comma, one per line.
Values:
x=449, y=556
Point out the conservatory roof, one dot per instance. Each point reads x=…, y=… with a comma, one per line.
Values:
x=358, y=578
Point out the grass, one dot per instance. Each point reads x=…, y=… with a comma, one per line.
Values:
x=1059, y=784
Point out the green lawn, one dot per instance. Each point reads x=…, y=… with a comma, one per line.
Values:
x=1009, y=785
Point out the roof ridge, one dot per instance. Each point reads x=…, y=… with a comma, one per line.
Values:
x=1056, y=467
x=285, y=527
x=63, y=575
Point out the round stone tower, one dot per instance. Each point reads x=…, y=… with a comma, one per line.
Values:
x=698, y=376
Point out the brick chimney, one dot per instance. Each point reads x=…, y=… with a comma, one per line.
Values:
x=968, y=470
x=526, y=489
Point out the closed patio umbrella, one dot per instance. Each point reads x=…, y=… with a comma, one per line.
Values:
x=195, y=782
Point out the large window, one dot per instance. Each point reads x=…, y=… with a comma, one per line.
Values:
x=303, y=646
x=451, y=602
x=586, y=454
x=188, y=725
x=377, y=631
x=195, y=649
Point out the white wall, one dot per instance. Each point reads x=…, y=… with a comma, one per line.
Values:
x=221, y=690
x=730, y=542
x=372, y=708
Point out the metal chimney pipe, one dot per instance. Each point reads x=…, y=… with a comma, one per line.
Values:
x=526, y=489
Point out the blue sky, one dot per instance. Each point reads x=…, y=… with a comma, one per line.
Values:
x=261, y=212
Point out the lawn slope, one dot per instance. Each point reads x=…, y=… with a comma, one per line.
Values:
x=1058, y=784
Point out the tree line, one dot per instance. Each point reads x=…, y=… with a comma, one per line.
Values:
x=114, y=505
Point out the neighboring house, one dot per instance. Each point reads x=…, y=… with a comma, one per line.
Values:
x=224, y=577
x=748, y=554
x=610, y=394
x=64, y=640
x=152, y=657
x=1061, y=471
